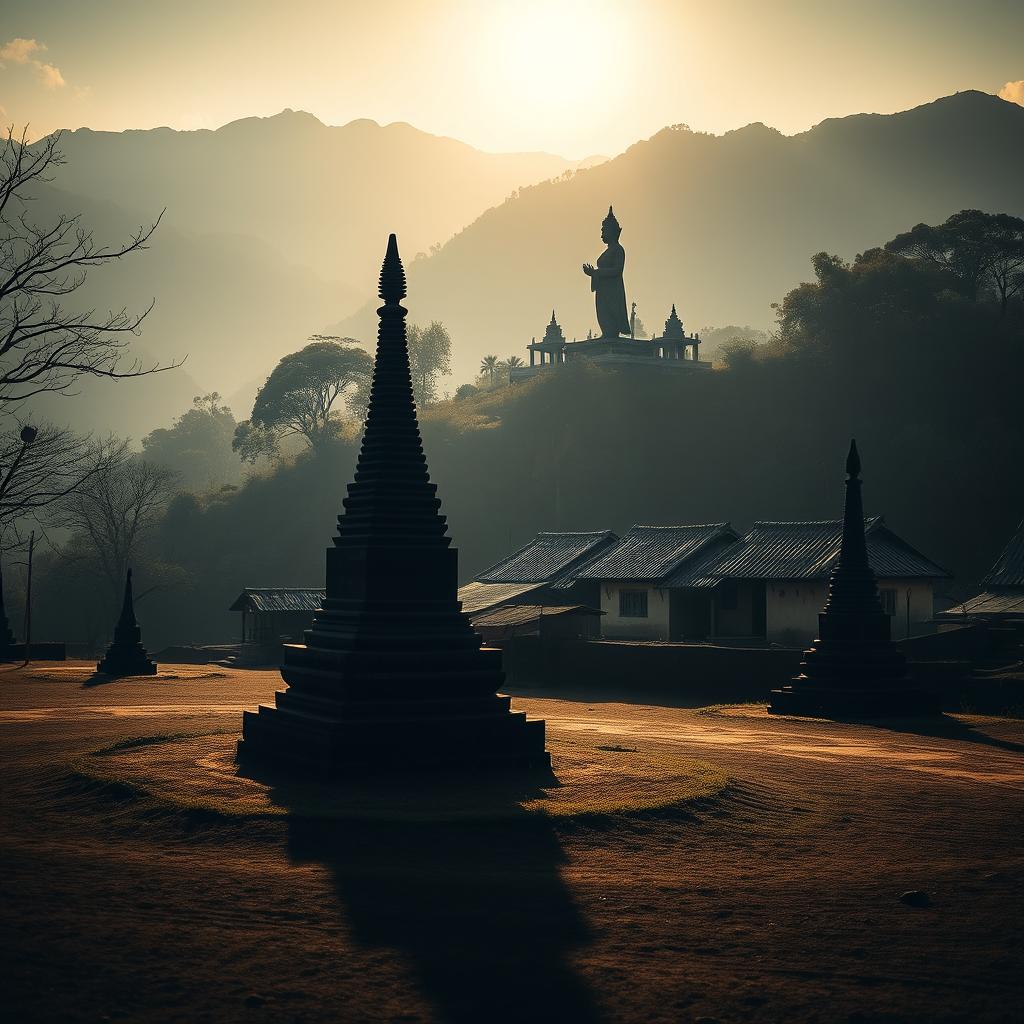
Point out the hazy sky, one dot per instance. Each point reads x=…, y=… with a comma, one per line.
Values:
x=570, y=77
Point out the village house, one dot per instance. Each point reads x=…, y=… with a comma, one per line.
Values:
x=1001, y=601
x=272, y=616
x=636, y=581
x=772, y=584
x=706, y=583
x=541, y=580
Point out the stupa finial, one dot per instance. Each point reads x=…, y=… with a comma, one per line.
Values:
x=853, y=461
x=392, y=274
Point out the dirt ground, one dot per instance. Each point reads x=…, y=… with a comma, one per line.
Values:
x=779, y=900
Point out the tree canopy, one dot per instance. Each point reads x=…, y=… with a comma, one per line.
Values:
x=198, y=446
x=430, y=351
x=300, y=397
x=979, y=251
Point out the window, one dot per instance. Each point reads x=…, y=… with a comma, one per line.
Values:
x=728, y=597
x=633, y=604
x=888, y=598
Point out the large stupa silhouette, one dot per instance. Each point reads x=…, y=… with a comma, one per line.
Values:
x=392, y=674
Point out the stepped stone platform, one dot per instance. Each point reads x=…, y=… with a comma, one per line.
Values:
x=392, y=676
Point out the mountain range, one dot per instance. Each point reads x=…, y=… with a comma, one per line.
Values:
x=275, y=228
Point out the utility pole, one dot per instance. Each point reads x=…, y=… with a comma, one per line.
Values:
x=28, y=599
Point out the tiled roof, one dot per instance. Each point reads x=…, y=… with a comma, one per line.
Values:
x=796, y=551
x=1008, y=569
x=524, y=614
x=654, y=552
x=548, y=558
x=278, y=599
x=478, y=597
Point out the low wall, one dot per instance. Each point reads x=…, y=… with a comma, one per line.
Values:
x=699, y=671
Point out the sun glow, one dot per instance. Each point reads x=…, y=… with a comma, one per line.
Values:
x=554, y=63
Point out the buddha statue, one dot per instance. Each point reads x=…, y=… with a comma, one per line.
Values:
x=606, y=281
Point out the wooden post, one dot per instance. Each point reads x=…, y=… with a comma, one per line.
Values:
x=28, y=599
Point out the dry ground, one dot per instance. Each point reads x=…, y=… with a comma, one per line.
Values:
x=777, y=901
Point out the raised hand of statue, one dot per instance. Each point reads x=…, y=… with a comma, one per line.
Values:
x=588, y=269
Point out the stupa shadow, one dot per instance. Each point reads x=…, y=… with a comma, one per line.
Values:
x=943, y=726
x=477, y=909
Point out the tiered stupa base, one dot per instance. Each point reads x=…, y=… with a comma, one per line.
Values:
x=856, y=676
x=126, y=661
x=374, y=693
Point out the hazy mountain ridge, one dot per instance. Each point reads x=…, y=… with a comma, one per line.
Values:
x=322, y=196
x=721, y=225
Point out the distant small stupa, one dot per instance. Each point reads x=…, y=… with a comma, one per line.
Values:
x=673, y=327
x=853, y=669
x=553, y=333
x=126, y=656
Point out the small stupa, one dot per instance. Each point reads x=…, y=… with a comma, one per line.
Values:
x=674, y=327
x=126, y=656
x=853, y=669
x=392, y=676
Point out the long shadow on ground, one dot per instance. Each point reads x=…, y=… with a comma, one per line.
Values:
x=478, y=909
x=946, y=727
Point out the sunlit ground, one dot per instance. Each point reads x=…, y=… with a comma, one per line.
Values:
x=777, y=897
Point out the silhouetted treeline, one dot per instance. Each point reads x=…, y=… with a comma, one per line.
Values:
x=889, y=349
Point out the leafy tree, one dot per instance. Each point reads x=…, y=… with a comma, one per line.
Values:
x=979, y=250
x=430, y=351
x=466, y=391
x=299, y=397
x=489, y=368
x=198, y=447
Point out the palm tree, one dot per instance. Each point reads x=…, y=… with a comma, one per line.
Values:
x=511, y=364
x=489, y=367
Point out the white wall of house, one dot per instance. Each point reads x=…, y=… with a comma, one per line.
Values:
x=617, y=627
x=793, y=607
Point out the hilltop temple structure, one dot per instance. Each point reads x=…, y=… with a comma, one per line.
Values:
x=617, y=345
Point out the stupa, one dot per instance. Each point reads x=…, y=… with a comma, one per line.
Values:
x=392, y=675
x=126, y=656
x=853, y=669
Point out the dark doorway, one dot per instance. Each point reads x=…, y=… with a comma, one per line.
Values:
x=758, y=610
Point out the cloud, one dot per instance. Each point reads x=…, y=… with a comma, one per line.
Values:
x=20, y=51
x=1014, y=92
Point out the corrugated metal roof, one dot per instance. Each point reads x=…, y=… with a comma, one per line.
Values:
x=525, y=614
x=1008, y=569
x=654, y=552
x=796, y=551
x=278, y=599
x=548, y=558
x=696, y=571
x=478, y=597
x=1005, y=604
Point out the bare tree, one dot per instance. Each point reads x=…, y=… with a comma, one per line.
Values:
x=45, y=347
x=41, y=466
x=111, y=513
